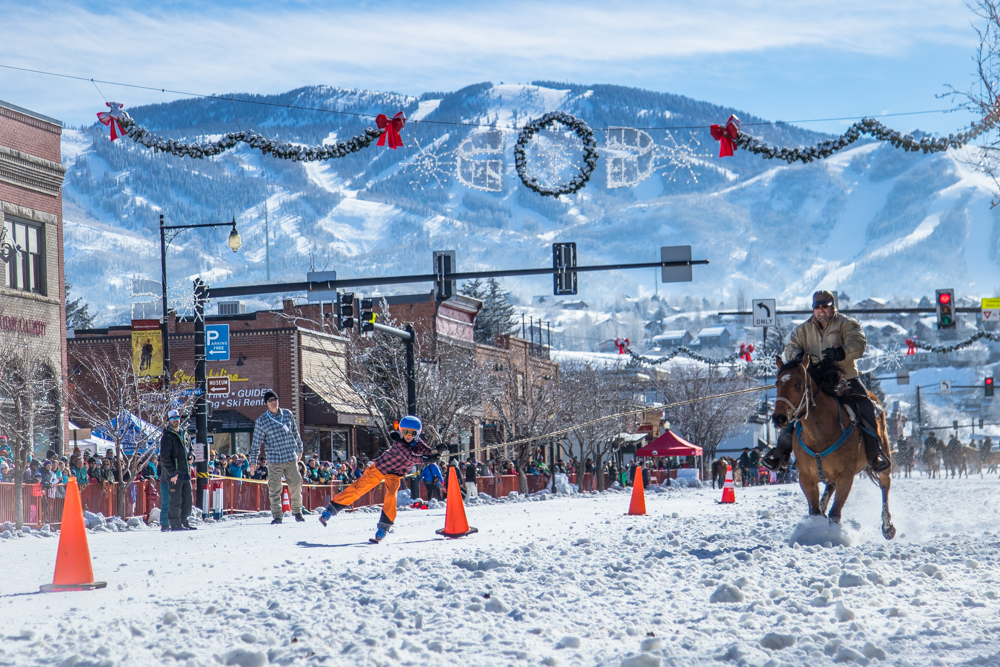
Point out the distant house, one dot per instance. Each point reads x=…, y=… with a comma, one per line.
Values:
x=672, y=339
x=871, y=303
x=575, y=305
x=714, y=337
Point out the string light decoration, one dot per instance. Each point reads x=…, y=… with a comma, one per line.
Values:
x=474, y=171
x=945, y=349
x=629, y=156
x=681, y=155
x=430, y=167
x=686, y=352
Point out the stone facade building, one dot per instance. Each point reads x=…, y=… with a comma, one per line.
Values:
x=32, y=281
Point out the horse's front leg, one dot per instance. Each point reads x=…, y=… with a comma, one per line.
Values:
x=888, y=530
x=843, y=489
x=824, y=502
x=809, y=483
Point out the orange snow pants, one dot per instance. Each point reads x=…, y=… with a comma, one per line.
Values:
x=369, y=479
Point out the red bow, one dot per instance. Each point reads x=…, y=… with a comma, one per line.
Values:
x=726, y=136
x=622, y=344
x=390, y=128
x=111, y=118
x=911, y=346
x=746, y=351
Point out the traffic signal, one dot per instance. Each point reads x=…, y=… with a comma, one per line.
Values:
x=367, y=318
x=988, y=386
x=945, y=308
x=444, y=266
x=563, y=256
x=345, y=311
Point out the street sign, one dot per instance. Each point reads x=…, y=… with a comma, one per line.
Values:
x=217, y=342
x=321, y=295
x=191, y=392
x=676, y=274
x=763, y=312
x=991, y=310
x=902, y=376
x=945, y=386
x=218, y=385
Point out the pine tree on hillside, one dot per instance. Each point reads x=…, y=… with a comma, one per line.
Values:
x=497, y=318
x=77, y=312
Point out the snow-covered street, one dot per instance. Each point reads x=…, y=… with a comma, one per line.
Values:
x=564, y=581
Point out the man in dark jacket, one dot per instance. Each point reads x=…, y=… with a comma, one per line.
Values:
x=174, y=459
x=744, y=463
x=470, y=478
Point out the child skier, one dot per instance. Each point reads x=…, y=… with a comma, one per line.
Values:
x=407, y=450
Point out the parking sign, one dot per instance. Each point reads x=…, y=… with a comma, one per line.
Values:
x=217, y=342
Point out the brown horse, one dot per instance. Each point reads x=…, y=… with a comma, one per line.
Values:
x=828, y=446
x=932, y=459
x=719, y=469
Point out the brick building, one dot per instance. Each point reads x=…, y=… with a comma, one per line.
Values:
x=291, y=352
x=32, y=286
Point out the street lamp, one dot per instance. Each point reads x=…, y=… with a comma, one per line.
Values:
x=234, y=242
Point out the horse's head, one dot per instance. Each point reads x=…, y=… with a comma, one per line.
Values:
x=793, y=387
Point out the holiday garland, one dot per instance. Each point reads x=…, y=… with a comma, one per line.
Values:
x=649, y=361
x=988, y=335
x=590, y=155
x=824, y=149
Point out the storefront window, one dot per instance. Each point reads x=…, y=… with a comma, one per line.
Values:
x=25, y=271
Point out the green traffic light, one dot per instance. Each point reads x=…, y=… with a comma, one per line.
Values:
x=945, y=320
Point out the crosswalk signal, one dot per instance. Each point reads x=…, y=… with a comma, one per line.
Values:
x=563, y=257
x=988, y=386
x=945, y=308
x=345, y=311
x=367, y=318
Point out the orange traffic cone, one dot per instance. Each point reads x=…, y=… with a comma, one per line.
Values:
x=73, y=571
x=455, y=523
x=286, y=503
x=638, y=505
x=728, y=489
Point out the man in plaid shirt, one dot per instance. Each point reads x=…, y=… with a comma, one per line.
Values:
x=407, y=450
x=276, y=434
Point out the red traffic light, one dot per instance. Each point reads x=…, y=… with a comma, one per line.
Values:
x=944, y=298
x=989, y=382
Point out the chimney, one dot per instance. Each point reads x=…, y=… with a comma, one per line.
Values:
x=288, y=306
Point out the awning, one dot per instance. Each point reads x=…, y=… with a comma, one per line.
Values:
x=333, y=404
x=669, y=444
x=631, y=437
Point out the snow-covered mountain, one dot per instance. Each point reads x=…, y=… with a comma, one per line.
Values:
x=871, y=221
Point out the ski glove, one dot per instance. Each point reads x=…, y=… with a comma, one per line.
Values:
x=834, y=353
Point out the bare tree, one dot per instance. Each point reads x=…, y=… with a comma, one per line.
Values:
x=707, y=423
x=587, y=393
x=125, y=408
x=368, y=374
x=29, y=403
x=983, y=97
x=524, y=399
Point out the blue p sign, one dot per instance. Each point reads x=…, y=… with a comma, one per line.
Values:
x=217, y=342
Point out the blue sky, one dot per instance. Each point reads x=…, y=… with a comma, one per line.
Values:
x=786, y=60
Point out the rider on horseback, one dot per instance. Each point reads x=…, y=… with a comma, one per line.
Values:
x=836, y=337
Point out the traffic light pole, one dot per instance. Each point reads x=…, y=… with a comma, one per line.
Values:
x=331, y=285
x=201, y=404
x=409, y=337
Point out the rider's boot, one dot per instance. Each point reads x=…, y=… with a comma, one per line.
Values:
x=777, y=458
x=877, y=460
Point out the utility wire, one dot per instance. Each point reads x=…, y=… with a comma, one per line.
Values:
x=437, y=122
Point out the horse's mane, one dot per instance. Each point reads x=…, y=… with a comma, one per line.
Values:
x=825, y=373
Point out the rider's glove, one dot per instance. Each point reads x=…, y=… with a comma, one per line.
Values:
x=834, y=353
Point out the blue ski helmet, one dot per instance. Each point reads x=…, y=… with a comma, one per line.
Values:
x=411, y=422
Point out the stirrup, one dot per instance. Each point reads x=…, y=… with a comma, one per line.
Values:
x=880, y=464
x=773, y=462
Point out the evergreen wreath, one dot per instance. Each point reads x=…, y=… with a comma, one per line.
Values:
x=682, y=350
x=590, y=155
x=279, y=149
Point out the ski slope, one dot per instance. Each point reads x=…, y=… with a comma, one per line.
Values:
x=568, y=580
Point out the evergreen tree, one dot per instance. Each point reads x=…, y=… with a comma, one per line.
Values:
x=77, y=312
x=497, y=318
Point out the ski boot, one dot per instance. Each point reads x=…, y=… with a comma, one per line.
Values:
x=331, y=510
x=383, y=530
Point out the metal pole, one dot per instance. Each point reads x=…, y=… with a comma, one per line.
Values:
x=267, y=243
x=166, y=325
x=201, y=383
x=920, y=427
x=411, y=378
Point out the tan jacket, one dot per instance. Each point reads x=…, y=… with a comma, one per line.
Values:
x=841, y=331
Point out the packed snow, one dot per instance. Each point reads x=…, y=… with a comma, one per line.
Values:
x=551, y=580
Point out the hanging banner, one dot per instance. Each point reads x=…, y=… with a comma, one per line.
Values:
x=147, y=349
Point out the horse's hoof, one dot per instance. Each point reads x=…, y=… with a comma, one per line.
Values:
x=834, y=519
x=889, y=533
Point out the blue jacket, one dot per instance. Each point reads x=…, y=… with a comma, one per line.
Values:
x=239, y=470
x=430, y=473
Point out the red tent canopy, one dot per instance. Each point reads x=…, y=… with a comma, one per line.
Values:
x=669, y=444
